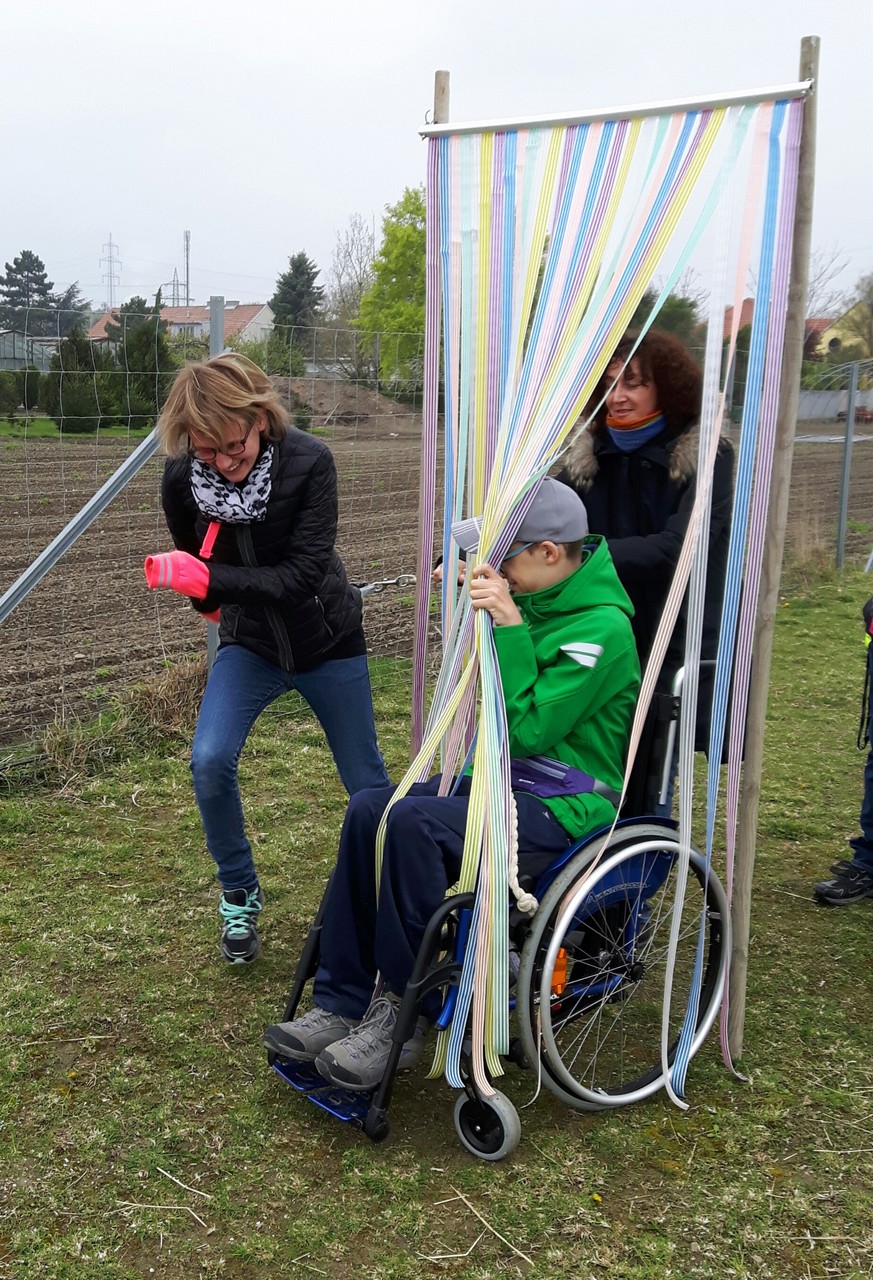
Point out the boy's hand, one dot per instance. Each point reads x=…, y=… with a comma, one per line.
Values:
x=489, y=591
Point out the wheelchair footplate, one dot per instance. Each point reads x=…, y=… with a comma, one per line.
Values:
x=342, y=1104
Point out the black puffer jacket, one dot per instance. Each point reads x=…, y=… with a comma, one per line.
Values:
x=641, y=502
x=282, y=588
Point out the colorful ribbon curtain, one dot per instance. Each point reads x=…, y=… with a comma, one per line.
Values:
x=541, y=242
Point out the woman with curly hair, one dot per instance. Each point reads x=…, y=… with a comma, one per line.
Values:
x=634, y=466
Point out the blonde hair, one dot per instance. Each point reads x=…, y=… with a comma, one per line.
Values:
x=210, y=395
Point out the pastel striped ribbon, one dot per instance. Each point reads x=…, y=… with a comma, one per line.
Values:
x=541, y=243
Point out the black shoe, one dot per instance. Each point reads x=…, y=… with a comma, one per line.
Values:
x=851, y=882
x=239, y=937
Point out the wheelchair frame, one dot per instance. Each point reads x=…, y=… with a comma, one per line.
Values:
x=589, y=981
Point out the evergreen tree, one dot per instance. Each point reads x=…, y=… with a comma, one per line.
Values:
x=80, y=392
x=28, y=303
x=26, y=299
x=297, y=297
x=144, y=359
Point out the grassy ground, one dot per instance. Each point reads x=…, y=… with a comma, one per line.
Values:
x=47, y=429
x=141, y=1133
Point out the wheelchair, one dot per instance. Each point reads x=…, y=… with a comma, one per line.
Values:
x=587, y=971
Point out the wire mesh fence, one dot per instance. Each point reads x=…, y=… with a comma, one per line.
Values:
x=90, y=627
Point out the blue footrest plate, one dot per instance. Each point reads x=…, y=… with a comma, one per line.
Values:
x=344, y=1104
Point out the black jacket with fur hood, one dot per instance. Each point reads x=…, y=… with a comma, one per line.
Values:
x=641, y=503
x=282, y=588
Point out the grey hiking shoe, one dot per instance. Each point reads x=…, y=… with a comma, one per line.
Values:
x=358, y=1061
x=239, y=910
x=850, y=883
x=305, y=1037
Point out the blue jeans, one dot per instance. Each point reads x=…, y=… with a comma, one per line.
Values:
x=862, y=845
x=239, y=687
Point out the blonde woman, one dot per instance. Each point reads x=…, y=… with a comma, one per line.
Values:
x=251, y=505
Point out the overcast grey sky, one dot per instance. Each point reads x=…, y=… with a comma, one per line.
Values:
x=263, y=126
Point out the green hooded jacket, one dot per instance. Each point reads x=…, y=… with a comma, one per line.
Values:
x=570, y=679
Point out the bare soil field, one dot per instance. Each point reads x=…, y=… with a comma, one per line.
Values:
x=91, y=627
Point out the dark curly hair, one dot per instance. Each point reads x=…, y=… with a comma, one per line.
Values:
x=668, y=363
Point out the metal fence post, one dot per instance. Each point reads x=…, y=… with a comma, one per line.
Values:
x=847, y=464
x=216, y=346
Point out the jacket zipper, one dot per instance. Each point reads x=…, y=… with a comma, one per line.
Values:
x=280, y=635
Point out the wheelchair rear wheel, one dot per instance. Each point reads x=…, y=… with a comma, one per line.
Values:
x=592, y=976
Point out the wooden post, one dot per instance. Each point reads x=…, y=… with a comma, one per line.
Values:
x=771, y=567
x=441, y=97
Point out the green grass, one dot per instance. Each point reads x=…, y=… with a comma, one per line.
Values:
x=47, y=429
x=130, y=1057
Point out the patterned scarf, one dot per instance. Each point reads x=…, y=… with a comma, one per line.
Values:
x=633, y=435
x=221, y=499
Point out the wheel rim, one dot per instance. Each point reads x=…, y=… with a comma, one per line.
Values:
x=601, y=1038
x=482, y=1127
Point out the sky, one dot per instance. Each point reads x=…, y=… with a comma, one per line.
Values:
x=263, y=127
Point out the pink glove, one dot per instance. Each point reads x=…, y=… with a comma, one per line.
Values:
x=214, y=616
x=178, y=571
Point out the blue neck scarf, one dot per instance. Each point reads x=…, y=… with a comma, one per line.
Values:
x=627, y=439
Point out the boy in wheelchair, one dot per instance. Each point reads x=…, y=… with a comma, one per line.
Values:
x=570, y=676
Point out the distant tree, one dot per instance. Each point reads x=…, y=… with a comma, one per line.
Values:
x=28, y=387
x=297, y=297
x=28, y=303
x=351, y=275
x=276, y=354
x=857, y=323
x=144, y=358
x=679, y=315
x=80, y=391
x=9, y=394
x=26, y=295
x=72, y=309
x=392, y=308
x=351, y=271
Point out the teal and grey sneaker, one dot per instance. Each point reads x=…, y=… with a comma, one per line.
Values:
x=305, y=1037
x=359, y=1061
x=240, y=909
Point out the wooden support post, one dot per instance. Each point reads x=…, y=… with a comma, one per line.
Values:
x=792, y=358
x=441, y=97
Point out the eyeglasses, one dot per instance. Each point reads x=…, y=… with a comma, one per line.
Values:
x=231, y=450
x=516, y=551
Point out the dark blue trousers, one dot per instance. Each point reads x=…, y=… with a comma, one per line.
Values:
x=422, y=859
x=863, y=844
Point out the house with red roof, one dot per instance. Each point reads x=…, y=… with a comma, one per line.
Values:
x=253, y=322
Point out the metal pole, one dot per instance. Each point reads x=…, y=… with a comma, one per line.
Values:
x=847, y=465
x=792, y=358
x=48, y=558
x=216, y=346
x=640, y=110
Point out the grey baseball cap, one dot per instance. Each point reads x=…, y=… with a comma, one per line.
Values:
x=557, y=514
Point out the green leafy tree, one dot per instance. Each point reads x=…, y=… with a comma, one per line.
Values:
x=80, y=391
x=392, y=309
x=144, y=358
x=297, y=298
x=857, y=323
x=277, y=354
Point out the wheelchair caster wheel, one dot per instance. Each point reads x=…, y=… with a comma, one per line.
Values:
x=377, y=1126
x=488, y=1128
